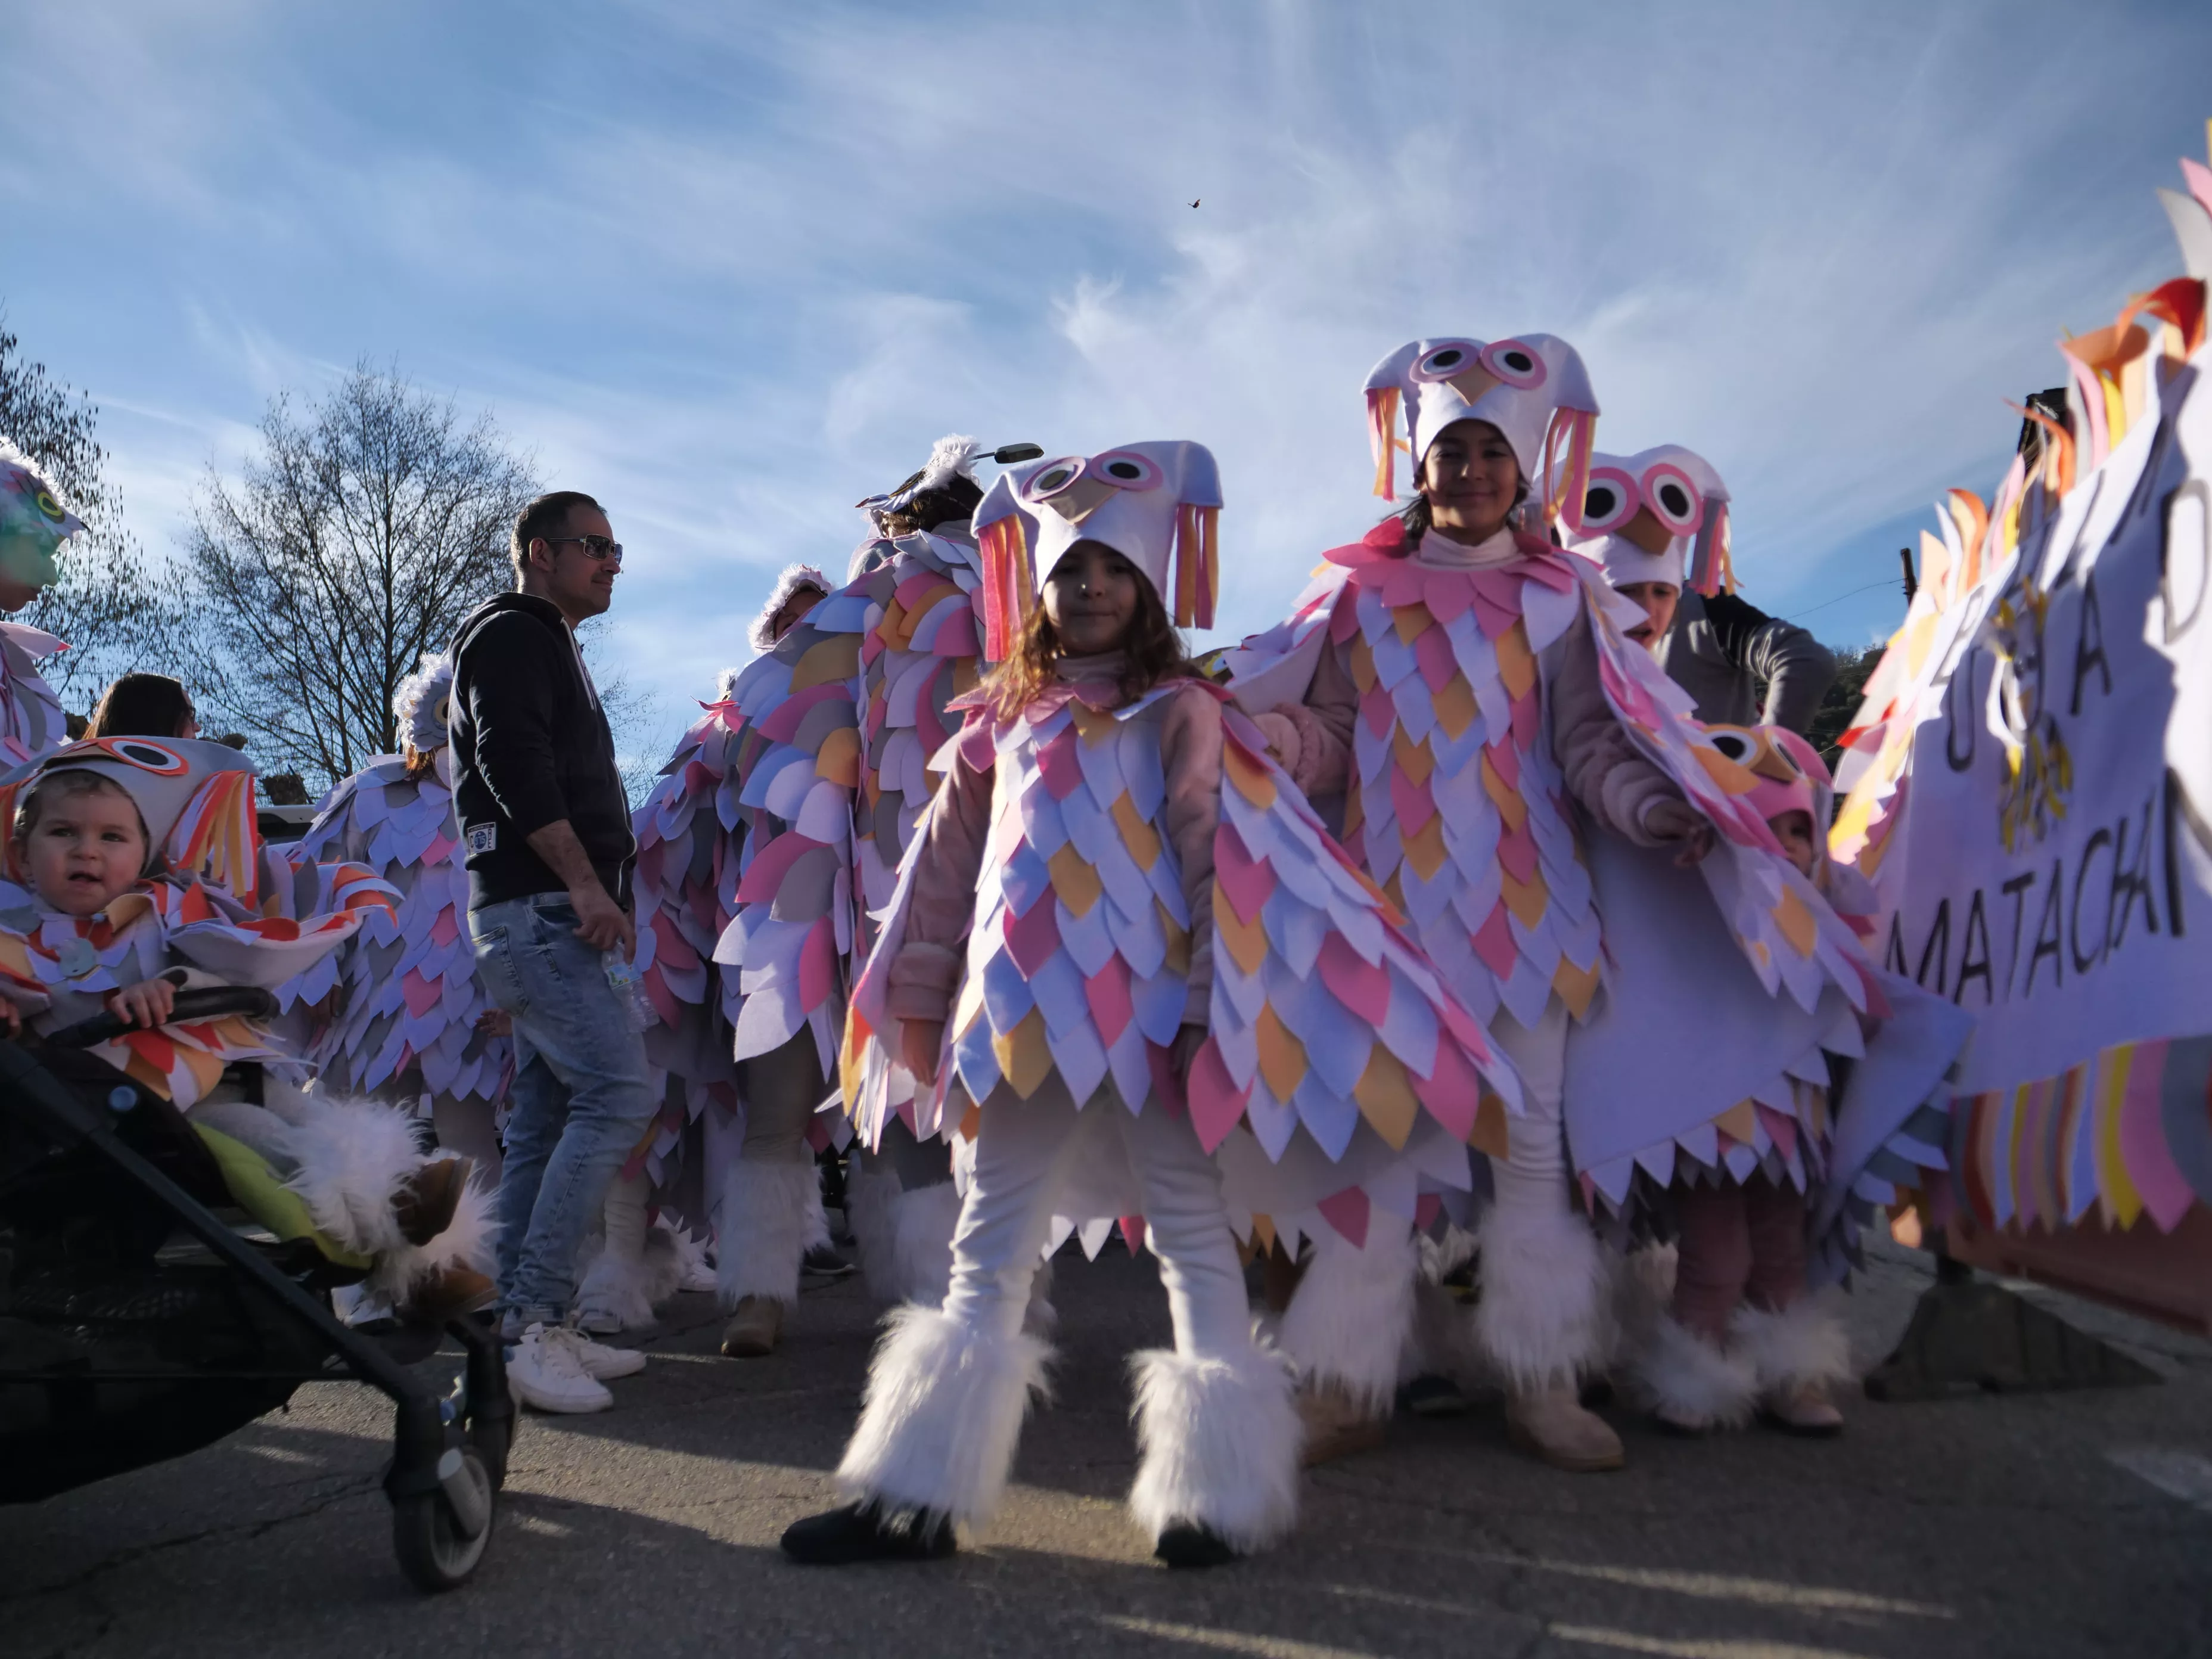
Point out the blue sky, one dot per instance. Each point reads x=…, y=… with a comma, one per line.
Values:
x=731, y=268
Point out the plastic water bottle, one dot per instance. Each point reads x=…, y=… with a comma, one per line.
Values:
x=629, y=991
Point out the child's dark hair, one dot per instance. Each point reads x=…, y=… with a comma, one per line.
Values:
x=958, y=497
x=142, y=706
x=1151, y=652
x=71, y=784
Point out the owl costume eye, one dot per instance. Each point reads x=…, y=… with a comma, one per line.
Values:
x=1126, y=469
x=53, y=510
x=1673, y=499
x=1516, y=364
x=1610, y=501
x=1052, y=478
x=1440, y=362
x=1737, y=744
x=146, y=755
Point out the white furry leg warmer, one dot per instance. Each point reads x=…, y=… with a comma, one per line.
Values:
x=1218, y=1443
x=1806, y=1342
x=943, y=1409
x=1544, y=1315
x=636, y=1268
x=1353, y=1315
x=1691, y=1377
x=351, y=1158
x=771, y=1217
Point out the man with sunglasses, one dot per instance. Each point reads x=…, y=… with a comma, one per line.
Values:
x=545, y=827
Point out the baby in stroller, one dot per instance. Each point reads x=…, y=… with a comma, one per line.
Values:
x=133, y=872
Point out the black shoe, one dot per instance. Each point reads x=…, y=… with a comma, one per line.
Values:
x=859, y=1533
x=822, y=1261
x=1434, y=1396
x=1187, y=1544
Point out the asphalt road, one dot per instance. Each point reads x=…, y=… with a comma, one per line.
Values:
x=2054, y=1524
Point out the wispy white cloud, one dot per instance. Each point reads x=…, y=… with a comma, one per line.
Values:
x=733, y=267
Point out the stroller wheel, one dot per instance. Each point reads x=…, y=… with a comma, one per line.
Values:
x=441, y=1536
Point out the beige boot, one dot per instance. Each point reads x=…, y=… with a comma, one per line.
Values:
x=1551, y=1424
x=1802, y=1408
x=1335, y=1425
x=753, y=1328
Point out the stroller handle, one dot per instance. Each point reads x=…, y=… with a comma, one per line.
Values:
x=212, y=1002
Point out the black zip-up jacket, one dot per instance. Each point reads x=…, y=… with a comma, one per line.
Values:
x=531, y=747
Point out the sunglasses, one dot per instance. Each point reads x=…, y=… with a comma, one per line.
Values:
x=601, y=548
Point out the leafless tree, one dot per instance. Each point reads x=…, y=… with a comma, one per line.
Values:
x=113, y=617
x=354, y=541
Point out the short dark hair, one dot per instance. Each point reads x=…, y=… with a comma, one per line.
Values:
x=140, y=706
x=543, y=516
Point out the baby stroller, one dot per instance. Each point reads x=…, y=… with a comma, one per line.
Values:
x=142, y=1315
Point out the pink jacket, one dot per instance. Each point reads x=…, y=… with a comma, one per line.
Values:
x=926, y=973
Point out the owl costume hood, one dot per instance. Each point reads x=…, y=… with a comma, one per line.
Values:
x=33, y=521
x=1532, y=387
x=1659, y=516
x=1156, y=504
x=422, y=705
x=794, y=579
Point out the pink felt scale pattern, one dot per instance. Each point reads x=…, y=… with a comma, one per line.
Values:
x=406, y=1015
x=690, y=832
x=1324, y=1018
x=1460, y=810
x=31, y=718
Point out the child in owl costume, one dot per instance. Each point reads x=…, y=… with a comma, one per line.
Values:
x=33, y=523
x=1765, y=1158
x=1125, y=963
x=134, y=871
x=1467, y=686
x=412, y=1024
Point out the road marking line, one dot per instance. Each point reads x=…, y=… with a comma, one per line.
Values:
x=1230, y=1641
x=1625, y=1641
x=1710, y=1586
x=2177, y=1473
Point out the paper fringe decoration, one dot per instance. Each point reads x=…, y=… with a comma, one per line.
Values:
x=1576, y=430
x=1383, y=438
x=1009, y=584
x=1198, y=566
x=1711, y=568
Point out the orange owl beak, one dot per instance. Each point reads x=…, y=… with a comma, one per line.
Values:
x=1646, y=531
x=1081, y=499
x=1474, y=383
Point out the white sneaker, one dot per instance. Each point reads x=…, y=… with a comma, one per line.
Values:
x=546, y=1371
x=603, y=1364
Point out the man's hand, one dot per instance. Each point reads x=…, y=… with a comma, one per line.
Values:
x=920, y=1042
x=603, y=923
x=148, y=1003
x=1672, y=820
x=1184, y=1054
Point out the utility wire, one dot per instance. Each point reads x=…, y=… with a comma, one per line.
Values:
x=1886, y=582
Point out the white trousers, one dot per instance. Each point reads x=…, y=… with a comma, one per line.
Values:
x=1217, y=1435
x=1541, y=1318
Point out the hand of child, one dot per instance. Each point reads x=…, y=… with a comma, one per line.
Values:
x=1189, y=1040
x=148, y=1003
x=1671, y=819
x=1282, y=735
x=495, y=1022
x=12, y=1016
x=919, y=1041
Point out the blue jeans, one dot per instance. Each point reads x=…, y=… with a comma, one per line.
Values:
x=580, y=1099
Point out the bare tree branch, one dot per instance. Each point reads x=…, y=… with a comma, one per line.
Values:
x=353, y=543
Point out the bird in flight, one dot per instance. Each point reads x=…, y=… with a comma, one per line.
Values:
x=1194, y=203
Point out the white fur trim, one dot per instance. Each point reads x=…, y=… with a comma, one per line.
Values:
x=1352, y=1313
x=771, y=1217
x=1677, y=1368
x=1218, y=1444
x=628, y=1284
x=943, y=1407
x=922, y=1224
x=352, y=1157
x=788, y=582
x=417, y=701
x=1040, y=1318
x=1806, y=1342
x=1542, y=1319
x=469, y=1240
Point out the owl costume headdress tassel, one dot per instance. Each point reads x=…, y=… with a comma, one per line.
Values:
x=1156, y=504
